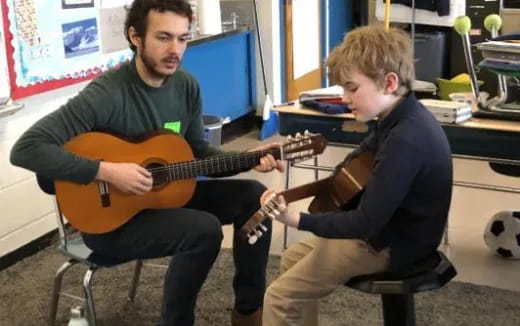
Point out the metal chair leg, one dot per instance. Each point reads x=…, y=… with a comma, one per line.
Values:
x=57, y=288
x=135, y=280
x=287, y=183
x=91, y=312
x=446, y=239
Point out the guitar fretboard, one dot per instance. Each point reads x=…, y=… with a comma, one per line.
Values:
x=210, y=166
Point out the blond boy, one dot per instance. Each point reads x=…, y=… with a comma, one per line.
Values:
x=402, y=212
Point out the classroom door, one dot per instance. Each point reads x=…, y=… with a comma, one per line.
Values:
x=302, y=46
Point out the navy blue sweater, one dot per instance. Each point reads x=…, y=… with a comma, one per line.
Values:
x=405, y=203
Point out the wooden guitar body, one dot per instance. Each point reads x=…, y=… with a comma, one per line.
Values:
x=99, y=207
x=344, y=185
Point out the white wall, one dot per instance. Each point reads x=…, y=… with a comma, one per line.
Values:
x=27, y=213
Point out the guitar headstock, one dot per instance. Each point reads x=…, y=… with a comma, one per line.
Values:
x=254, y=228
x=302, y=147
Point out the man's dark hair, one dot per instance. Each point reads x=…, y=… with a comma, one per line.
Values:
x=137, y=15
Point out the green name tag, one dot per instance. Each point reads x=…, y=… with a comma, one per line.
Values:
x=174, y=126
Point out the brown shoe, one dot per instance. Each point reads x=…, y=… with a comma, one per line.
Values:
x=254, y=319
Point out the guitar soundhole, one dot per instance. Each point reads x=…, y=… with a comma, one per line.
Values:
x=159, y=173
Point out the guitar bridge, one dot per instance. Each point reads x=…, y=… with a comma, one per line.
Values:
x=104, y=194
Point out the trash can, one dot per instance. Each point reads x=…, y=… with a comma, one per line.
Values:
x=430, y=56
x=213, y=129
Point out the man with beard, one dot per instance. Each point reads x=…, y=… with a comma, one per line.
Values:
x=148, y=93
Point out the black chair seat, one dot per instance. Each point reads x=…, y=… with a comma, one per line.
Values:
x=505, y=169
x=429, y=274
x=397, y=290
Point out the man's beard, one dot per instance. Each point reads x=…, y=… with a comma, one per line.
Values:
x=150, y=65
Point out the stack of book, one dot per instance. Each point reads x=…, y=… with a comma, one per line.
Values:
x=504, y=50
x=332, y=94
x=448, y=111
x=501, y=56
x=327, y=100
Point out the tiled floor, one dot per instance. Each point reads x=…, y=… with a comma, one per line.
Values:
x=470, y=211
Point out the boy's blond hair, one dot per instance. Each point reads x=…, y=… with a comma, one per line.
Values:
x=374, y=52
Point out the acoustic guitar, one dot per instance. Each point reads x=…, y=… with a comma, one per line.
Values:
x=99, y=207
x=330, y=194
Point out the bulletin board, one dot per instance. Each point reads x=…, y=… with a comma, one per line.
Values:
x=54, y=43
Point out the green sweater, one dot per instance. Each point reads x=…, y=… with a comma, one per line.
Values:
x=117, y=102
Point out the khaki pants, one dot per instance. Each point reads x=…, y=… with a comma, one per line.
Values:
x=312, y=269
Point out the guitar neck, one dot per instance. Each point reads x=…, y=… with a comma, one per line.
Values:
x=213, y=165
x=304, y=191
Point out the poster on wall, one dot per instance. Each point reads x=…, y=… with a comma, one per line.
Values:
x=80, y=37
x=45, y=53
x=112, y=22
x=72, y=4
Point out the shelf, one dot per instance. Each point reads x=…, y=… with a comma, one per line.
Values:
x=8, y=109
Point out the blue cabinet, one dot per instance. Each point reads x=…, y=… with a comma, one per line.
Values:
x=340, y=21
x=224, y=66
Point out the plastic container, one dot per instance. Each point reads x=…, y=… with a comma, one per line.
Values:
x=430, y=56
x=77, y=317
x=194, y=27
x=446, y=87
x=468, y=97
x=213, y=129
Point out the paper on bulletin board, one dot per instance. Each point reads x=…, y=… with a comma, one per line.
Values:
x=5, y=88
x=115, y=3
x=67, y=46
x=305, y=32
x=111, y=25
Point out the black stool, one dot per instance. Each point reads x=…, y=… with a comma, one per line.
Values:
x=397, y=291
x=505, y=169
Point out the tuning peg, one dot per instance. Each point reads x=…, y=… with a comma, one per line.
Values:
x=263, y=227
x=273, y=209
x=289, y=138
x=301, y=158
x=252, y=239
x=298, y=136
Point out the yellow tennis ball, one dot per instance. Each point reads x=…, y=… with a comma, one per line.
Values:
x=493, y=21
x=462, y=25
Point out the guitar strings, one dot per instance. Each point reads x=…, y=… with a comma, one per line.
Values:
x=212, y=160
x=183, y=170
x=187, y=169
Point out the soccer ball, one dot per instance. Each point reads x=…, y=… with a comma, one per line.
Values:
x=502, y=234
